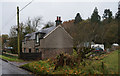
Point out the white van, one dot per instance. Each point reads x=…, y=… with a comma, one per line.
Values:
x=97, y=45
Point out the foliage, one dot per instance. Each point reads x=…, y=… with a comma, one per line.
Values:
x=10, y=58
x=4, y=37
x=78, y=18
x=95, y=30
x=103, y=66
x=49, y=24
x=64, y=60
x=117, y=16
x=95, y=17
x=74, y=53
x=107, y=15
x=40, y=67
x=30, y=26
x=72, y=60
x=13, y=43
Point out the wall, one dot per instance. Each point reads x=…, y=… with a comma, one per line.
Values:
x=31, y=56
x=55, y=43
x=53, y=52
x=57, y=39
x=28, y=45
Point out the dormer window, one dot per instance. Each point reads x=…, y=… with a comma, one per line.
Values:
x=37, y=38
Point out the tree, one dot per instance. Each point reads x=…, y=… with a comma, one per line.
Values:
x=13, y=37
x=117, y=16
x=48, y=24
x=107, y=15
x=4, y=40
x=95, y=22
x=30, y=26
x=95, y=18
x=78, y=18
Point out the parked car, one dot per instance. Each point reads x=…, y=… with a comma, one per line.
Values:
x=99, y=50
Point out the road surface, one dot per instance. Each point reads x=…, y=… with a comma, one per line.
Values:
x=8, y=68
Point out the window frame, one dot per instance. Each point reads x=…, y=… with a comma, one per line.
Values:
x=37, y=38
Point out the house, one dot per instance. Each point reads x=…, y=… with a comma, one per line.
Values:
x=49, y=42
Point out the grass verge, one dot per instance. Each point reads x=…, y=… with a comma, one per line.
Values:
x=10, y=58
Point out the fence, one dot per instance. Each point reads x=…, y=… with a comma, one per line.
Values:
x=31, y=56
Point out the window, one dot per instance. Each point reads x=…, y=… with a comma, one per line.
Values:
x=29, y=50
x=37, y=38
x=37, y=50
x=24, y=50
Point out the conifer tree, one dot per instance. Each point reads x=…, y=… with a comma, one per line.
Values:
x=78, y=18
x=95, y=18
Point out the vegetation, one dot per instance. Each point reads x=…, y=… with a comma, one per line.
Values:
x=78, y=18
x=95, y=30
x=4, y=39
x=29, y=26
x=98, y=65
x=49, y=24
x=10, y=58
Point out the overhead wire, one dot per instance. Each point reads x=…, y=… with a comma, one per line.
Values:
x=16, y=13
x=26, y=5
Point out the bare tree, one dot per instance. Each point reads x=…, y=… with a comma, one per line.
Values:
x=48, y=24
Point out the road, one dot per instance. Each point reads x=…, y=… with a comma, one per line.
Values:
x=8, y=68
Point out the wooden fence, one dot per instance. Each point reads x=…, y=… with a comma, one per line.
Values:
x=31, y=56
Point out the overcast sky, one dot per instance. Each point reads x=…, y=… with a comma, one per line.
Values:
x=49, y=9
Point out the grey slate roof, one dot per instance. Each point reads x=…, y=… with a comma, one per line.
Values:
x=46, y=31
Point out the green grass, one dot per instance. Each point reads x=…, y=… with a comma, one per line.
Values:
x=112, y=61
x=10, y=58
x=110, y=66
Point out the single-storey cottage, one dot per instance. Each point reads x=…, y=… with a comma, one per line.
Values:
x=49, y=42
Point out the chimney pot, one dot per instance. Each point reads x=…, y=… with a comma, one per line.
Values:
x=59, y=18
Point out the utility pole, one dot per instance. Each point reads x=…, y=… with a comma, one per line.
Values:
x=18, y=32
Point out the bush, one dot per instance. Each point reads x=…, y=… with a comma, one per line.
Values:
x=74, y=54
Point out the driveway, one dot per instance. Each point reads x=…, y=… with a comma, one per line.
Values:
x=8, y=69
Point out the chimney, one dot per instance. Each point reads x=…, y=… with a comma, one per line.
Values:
x=57, y=18
x=58, y=21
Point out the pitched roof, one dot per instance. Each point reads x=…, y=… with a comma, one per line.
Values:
x=55, y=29
x=46, y=31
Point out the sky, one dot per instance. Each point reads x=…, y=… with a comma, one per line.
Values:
x=50, y=9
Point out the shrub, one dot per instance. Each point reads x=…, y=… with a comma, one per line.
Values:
x=74, y=53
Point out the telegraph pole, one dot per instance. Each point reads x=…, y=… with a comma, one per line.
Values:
x=18, y=32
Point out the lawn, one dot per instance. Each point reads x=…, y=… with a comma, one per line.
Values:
x=112, y=61
x=10, y=57
x=108, y=64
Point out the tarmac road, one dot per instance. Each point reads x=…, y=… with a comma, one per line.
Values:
x=10, y=69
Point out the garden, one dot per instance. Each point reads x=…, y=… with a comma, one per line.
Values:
x=80, y=63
